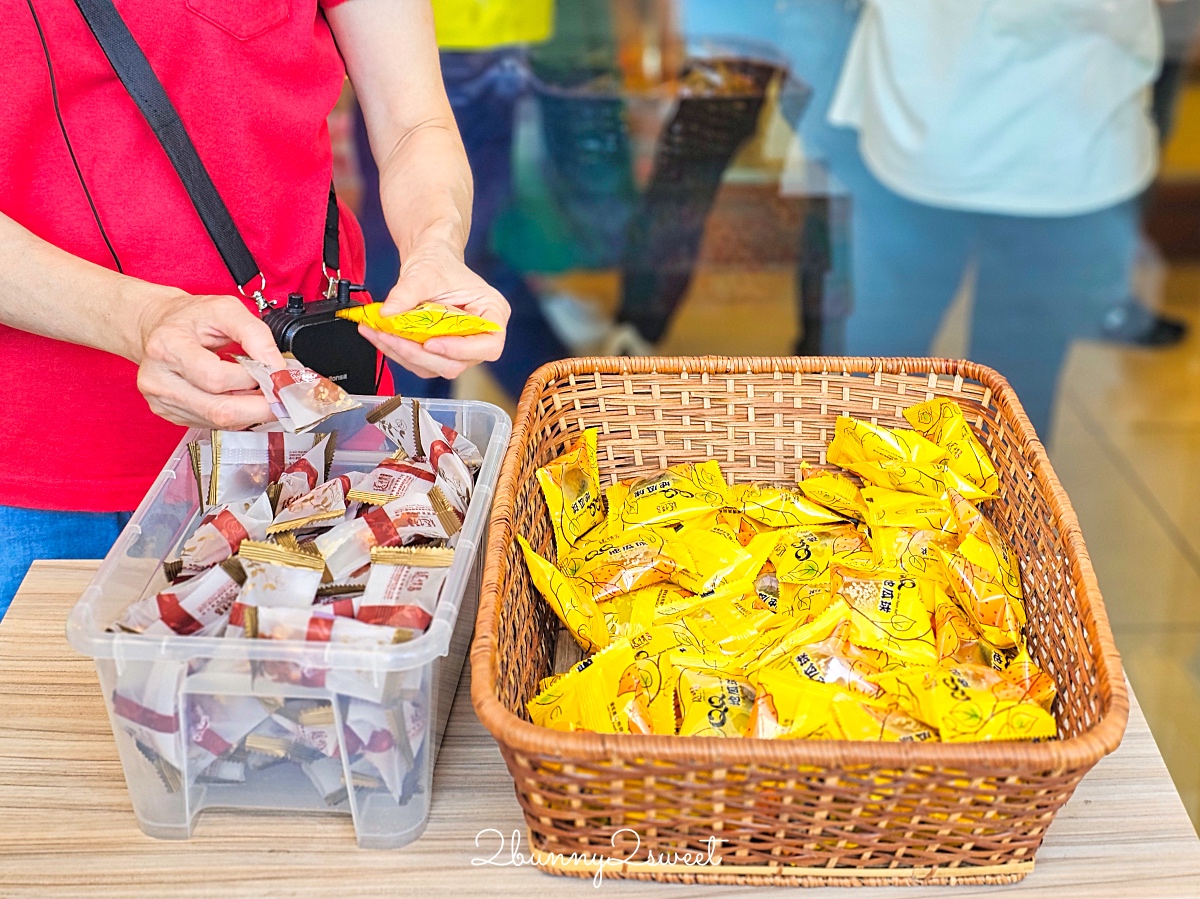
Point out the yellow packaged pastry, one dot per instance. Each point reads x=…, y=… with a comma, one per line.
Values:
x=803, y=555
x=985, y=577
x=599, y=694
x=573, y=607
x=836, y=660
x=571, y=485
x=652, y=648
x=969, y=702
x=804, y=602
x=833, y=490
x=618, y=563
x=706, y=559
x=860, y=441
x=888, y=612
x=896, y=509
x=421, y=322
x=779, y=507
x=673, y=496
x=1036, y=685
x=858, y=718
x=957, y=640
x=922, y=478
x=942, y=421
x=781, y=697
x=913, y=550
x=712, y=705
x=773, y=650
x=628, y=613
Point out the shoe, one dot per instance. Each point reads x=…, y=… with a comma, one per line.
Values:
x=578, y=323
x=1131, y=323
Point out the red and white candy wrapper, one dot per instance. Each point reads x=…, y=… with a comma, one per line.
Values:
x=217, y=724
x=398, y=417
x=327, y=503
x=307, y=398
x=317, y=625
x=394, y=479
x=387, y=737
x=146, y=701
x=245, y=462
x=197, y=607
x=347, y=547
x=404, y=585
x=279, y=576
x=306, y=473
x=221, y=532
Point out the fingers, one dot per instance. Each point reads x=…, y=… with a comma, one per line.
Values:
x=239, y=324
x=413, y=356
x=204, y=370
x=418, y=284
x=479, y=348
x=179, y=401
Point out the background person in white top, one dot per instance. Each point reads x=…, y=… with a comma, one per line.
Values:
x=1013, y=133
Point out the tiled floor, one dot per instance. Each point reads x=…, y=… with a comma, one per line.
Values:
x=1126, y=445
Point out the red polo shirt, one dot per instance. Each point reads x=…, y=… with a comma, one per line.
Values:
x=254, y=83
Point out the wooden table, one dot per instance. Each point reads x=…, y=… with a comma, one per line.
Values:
x=66, y=826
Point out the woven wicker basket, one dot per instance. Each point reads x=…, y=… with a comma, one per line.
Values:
x=787, y=812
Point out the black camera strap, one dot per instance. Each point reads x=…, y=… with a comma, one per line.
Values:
x=135, y=73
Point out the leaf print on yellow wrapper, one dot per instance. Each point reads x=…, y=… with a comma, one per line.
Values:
x=420, y=323
x=943, y=422
x=575, y=609
x=571, y=486
x=861, y=441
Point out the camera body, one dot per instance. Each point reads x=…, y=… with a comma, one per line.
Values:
x=329, y=345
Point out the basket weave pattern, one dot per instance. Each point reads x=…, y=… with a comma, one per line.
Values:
x=788, y=812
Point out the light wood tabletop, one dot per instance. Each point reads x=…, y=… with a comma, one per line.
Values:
x=67, y=828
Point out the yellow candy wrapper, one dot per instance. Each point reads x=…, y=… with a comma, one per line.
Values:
x=860, y=441
x=602, y=694
x=888, y=612
x=836, y=660
x=571, y=485
x=574, y=608
x=804, y=602
x=628, y=613
x=779, y=507
x=706, y=560
x=943, y=422
x=833, y=490
x=673, y=496
x=652, y=649
x=1036, y=685
x=969, y=702
x=714, y=706
x=922, y=478
x=803, y=555
x=862, y=719
x=773, y=651
x=421, y=322
x=985, y=577
x=780, y=697
x=896, y=509
x=913, y=551
x=957, y=641
x=619, y=563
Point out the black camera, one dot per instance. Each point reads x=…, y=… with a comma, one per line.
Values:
x=329, y=345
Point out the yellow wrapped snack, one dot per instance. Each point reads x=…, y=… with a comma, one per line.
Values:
x=619, y=563
x=922, y=478
x=772, y=650
x=968, y=702
x=836, y=660
x=714, y=706
x=957, y=641
x=896, y=509
x=888, y=612
x=421, y=322
x=803, y=555
x=804, y=602
x=779, y=507
x=913, y=550
x=833, y=491
x=985, y=578
x=600, y=694
x=574, y=608
x=571, y=485
x=673, y=496
x=628, y=613
x=864, y=719
x=780, y=697
x=943, y=422
x=860, y=441
x=707, y=559
x=1036, y=685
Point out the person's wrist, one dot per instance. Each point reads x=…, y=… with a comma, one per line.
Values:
x=148, y=306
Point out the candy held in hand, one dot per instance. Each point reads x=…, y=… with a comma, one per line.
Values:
x=421, y=322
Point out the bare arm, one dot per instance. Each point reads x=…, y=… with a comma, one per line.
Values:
x=166, y=332
x=424, y=179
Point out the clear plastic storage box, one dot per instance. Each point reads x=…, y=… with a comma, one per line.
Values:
x=406, y=689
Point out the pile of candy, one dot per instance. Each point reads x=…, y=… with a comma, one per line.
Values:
x=890, y=611
x=283, y=550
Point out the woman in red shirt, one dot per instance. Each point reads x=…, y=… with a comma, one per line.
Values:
x=112, y=295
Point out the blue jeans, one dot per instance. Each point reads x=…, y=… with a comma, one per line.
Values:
x=483, y=89
x=30, y=534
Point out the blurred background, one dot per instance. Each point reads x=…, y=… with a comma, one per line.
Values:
x=1015, y=183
